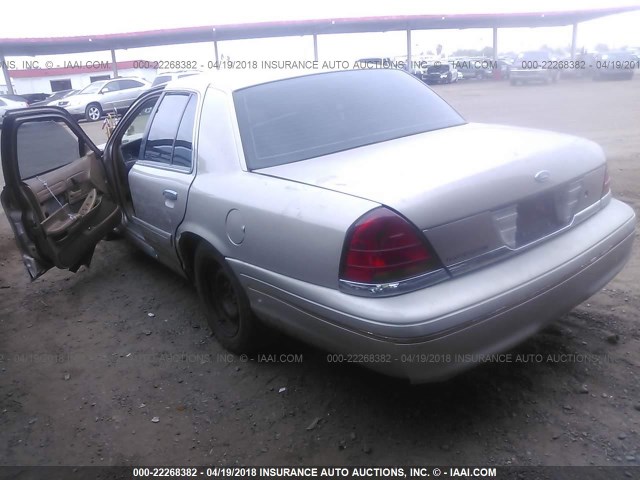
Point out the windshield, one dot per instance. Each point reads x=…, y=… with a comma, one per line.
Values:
x=299, y=118
x=92, y=88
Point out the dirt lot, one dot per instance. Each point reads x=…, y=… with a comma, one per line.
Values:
x=84, y=368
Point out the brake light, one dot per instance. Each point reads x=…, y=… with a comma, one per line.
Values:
x=382, y=247
x=606, y=184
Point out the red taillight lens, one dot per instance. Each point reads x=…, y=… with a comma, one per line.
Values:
x=606, y=184
x=383, y=247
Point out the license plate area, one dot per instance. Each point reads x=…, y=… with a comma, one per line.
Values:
x=537, y=217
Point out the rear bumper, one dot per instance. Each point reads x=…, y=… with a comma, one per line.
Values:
x=436, y=332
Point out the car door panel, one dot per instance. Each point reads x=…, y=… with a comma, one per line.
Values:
x=60, y=214
x=160, y=179
x=111, y=97
x=160, y=200
x=127, y=94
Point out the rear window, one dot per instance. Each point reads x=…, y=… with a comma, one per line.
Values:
x=295, y=119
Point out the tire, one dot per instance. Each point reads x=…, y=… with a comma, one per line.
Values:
x=225, y=302
x=93, y=112
x=513, y=82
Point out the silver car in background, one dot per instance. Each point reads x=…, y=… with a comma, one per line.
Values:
x=329, y=206
x=167, y=77
x=103, y=96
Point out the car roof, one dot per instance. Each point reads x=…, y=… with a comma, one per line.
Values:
x=232, y=80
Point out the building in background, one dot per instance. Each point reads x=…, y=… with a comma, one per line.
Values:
x=49, y=80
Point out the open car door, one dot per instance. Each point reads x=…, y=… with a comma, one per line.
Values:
x=56, y=196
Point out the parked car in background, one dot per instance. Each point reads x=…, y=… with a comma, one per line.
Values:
x=580, y=66
x=330, y=206
x=7, y=103
x=35, y=97
x=374, y=62
x=614, y=65
x=14, y=98
x=534, y=66
x=54, y=97
x=503, y=72
x=97, y=98
x=166, y=77
x=474, y=68
x=441, y=73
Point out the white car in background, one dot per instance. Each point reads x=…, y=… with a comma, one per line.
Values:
x=7, y=104
x=167, y=77
x=94, y=100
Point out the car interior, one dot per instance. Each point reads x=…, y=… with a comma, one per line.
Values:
x=129, y=146
x=68, y=206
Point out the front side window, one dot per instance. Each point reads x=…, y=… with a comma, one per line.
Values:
x=92, y=88
x=111, y=87
x=43, y=146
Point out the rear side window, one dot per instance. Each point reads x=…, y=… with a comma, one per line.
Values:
x=299, y=118
x=2, y=104
x=170, y=137
x=183, y=147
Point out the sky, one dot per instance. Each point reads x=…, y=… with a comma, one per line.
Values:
x=78, y=17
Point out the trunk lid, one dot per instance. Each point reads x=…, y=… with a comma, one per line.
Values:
x=477, y=191
x=437, y=177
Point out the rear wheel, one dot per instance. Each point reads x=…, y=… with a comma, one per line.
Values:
x=93, y=112
x=225, y=303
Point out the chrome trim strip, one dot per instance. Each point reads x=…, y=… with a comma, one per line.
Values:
x=394, y=288
x=505, y=251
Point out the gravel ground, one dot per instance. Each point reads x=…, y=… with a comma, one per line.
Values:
x=115, y=365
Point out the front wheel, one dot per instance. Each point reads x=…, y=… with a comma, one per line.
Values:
x=93, y=112
x=225, y=302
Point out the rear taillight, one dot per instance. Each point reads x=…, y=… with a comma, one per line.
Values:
x=382, y=247
x=606, y=184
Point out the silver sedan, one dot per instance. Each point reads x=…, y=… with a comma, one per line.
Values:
x=329, y=206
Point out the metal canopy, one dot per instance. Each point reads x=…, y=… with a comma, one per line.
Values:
x=118, y=41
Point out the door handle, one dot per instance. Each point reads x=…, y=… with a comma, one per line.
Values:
x=170, y=194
